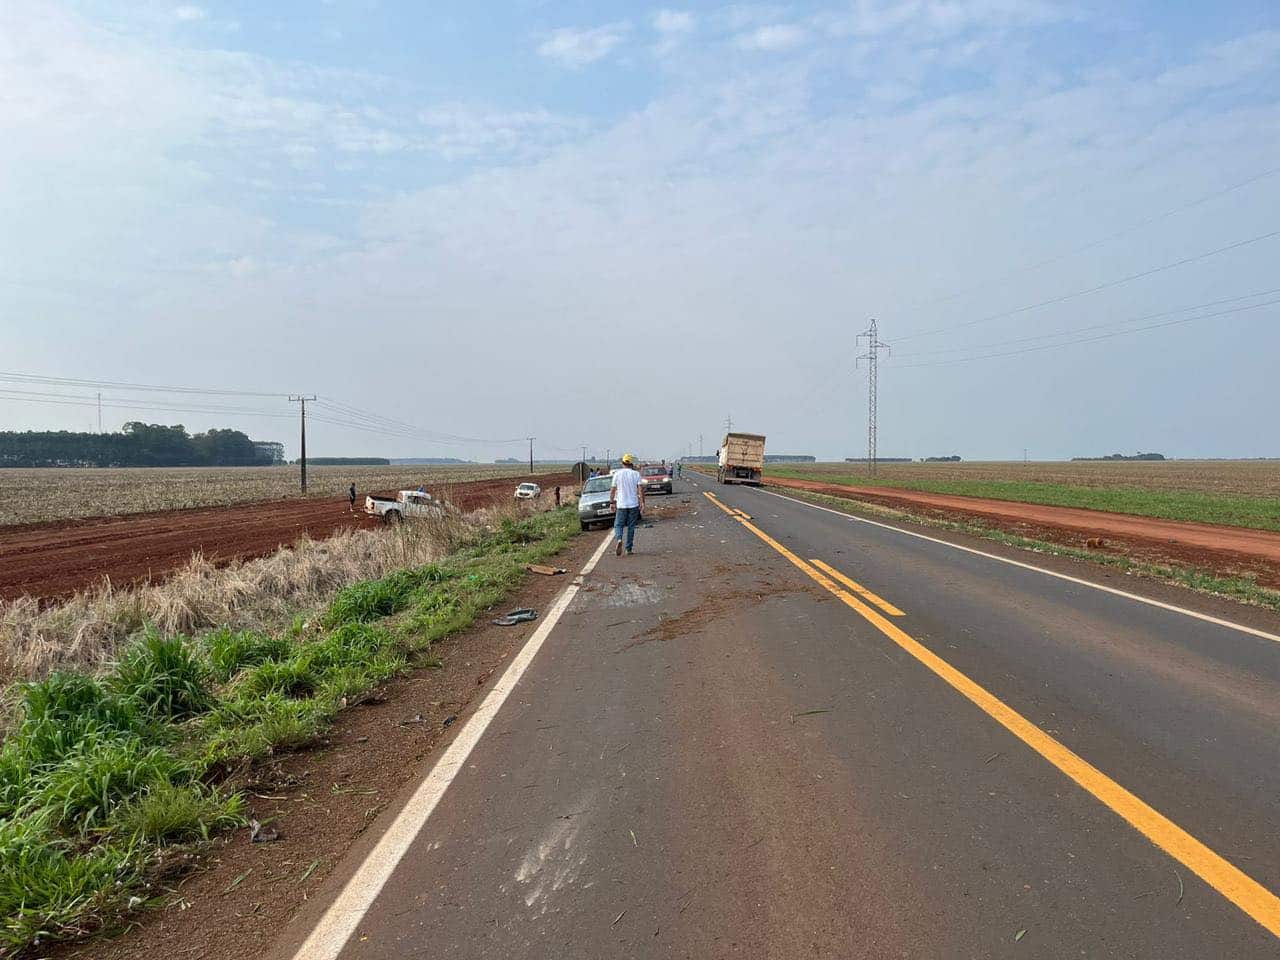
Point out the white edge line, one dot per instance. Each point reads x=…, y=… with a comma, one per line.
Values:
x=1049, y=573
x=328, y=938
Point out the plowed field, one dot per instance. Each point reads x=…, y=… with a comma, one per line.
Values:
x=49, y=560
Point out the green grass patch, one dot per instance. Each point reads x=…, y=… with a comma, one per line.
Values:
x=97, y=774
x=1235, y=510
x=1204, y=581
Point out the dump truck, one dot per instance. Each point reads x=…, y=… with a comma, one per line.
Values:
x=741, y=459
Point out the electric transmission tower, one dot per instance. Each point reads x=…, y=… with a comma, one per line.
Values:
x=872, y=356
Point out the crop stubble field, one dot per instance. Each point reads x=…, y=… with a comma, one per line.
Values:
x=37, y=496
x=1235, y=492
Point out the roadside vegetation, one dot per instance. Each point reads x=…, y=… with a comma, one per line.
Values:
x=47, y=494
x=1204, y=581
x=110, y=768
x=1120, y=495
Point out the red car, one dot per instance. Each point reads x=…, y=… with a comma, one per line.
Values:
x=655, y=477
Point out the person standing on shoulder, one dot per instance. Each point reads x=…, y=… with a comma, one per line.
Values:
x=627, y=497
x=351, y=495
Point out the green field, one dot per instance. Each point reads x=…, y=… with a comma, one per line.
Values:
x=1208, y=492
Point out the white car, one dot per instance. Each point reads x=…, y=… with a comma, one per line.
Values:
x=528, y=491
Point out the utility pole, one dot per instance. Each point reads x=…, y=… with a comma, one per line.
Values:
x=584, y=453
x=1024, y=456
x=699, y=446
x=531, y=439
x=299, y=398
x=872, y=356
x=99, y=411
x=728, y=424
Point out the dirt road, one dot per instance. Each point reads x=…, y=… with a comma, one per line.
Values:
x=1236, y=549
x=54, y=559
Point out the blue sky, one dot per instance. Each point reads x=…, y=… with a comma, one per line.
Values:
x=615, y=224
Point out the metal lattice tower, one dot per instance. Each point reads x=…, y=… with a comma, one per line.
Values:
x=872, y=356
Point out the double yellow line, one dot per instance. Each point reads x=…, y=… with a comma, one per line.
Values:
x=1246, y=893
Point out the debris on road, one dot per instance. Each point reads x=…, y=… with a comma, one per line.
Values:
x=522, y=615
x=262, y=832
x=448, y=721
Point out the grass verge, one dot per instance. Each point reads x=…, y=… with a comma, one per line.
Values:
x=1203, y=581
x=101, y=776
x=1235, y=510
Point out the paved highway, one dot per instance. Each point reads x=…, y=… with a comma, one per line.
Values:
x=779, y=732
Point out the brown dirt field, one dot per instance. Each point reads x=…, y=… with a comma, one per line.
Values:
x=50, y=560
x=1234, y=550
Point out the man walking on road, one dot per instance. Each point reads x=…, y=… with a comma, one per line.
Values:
x=627, y=497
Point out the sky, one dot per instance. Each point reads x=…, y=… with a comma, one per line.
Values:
x=619, y=225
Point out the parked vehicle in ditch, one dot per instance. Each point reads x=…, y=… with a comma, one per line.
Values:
x=655, y=478
x=407, y=503
x=741, y=459
x=594, y=503
x=528, y=491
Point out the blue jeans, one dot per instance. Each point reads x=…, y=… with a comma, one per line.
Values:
x=626, y=520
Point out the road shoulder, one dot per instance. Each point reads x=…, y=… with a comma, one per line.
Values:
x=328, y=799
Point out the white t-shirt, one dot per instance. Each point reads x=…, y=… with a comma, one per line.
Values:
x=627, y=482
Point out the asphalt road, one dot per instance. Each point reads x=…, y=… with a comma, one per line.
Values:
x=717, y=753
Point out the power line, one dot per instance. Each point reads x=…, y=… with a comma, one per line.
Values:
x=1093, y=339
x=1093, y=326
x=1094, y=289
x=122, y=385
x=1057, y=258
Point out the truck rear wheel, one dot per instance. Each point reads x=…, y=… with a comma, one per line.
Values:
x=393, y=516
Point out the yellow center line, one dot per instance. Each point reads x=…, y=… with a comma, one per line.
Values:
x=1235, y=885
x=859, y=589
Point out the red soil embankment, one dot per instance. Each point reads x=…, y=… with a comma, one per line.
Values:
x=1203, y=545
x=49, y=560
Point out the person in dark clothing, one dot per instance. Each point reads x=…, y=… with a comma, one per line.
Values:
x=557, y=496
x=351, y=495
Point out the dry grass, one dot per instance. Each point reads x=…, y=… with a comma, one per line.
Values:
x=86, y=631
x=1259, y=478
x=32, y=496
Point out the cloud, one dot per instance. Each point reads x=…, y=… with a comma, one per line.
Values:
x=189, y=13
x=673, y=22
x=576, y=48
x=772, y=38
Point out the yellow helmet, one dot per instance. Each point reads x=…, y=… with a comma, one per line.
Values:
x=628, y=458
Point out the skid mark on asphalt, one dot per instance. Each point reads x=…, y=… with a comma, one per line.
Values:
x=554, y=861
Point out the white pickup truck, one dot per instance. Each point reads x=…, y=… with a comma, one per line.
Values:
x=407, y=503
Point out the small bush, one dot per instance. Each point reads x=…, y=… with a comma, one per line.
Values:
x=176, y=812
x=164, y=676
x=249, y=726
x=50, y=888
x=90, y=783
x=230, y=651
x=374, y=599
x=292, y=678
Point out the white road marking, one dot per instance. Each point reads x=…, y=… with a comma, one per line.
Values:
x=1253, y=631
x=340, y=921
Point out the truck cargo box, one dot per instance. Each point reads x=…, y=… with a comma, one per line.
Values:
x=741, y=459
